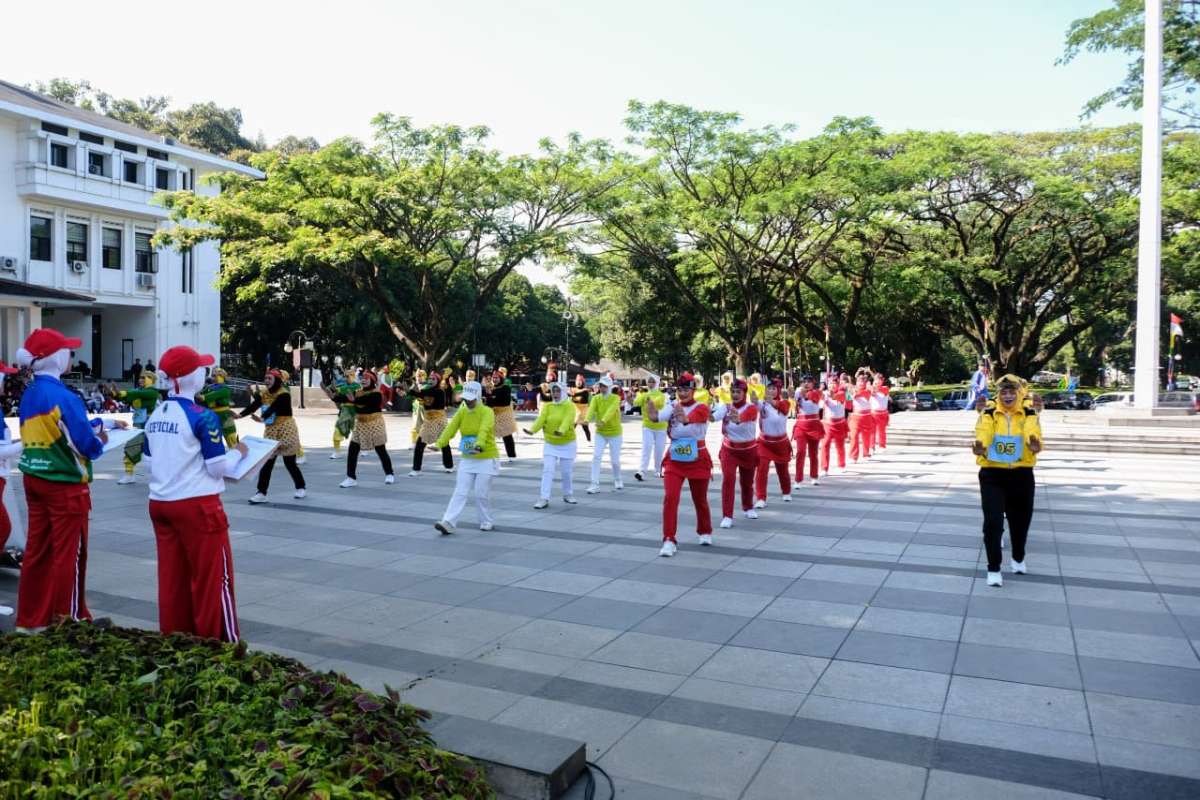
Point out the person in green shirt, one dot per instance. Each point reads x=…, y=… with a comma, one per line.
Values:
x=343, y=394
x=476, y=425
x=654, y=434
x=141, y=401
x=557, y=420
x=604, y=409
x=219, y=398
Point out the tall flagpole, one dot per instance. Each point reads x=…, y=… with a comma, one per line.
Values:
x=1146, y=365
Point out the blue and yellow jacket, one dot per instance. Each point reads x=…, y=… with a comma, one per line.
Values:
x=59, y=441
x=1019, y=421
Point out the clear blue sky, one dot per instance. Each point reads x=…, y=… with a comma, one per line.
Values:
x=529, y=68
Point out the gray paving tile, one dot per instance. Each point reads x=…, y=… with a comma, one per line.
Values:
x=656, y=594
x=1166, y=650
x=692, y=759
x=528, y=602
x=676, y=575
x=867, y=576
x=910, y=652
x=597, y=565
x=1153, y=760
x=787, y=637
x=830, y=592
x=998, y=607
x=944, y=785
x=641, y=680
x=722, y=602
x=795, y=771
x=813, y=612
x=786, y=671
x=701, y=626
x=445, y=590
x=766, y=566
x=870, y=742
x=1117, y=621
x=1020, y=703
x=919, y=600
x=749, y=582
x=1021, y=738
x=531, y=558
x=599, y=728
x=559, y=638
x=1040, y=771
x=1113, y=598
x=596, y=695
x=1021, y=587
x=470, y=623
x=1175, y=724
x=910, y=623
x=661, y=653
x=856, y=713
x=874, y=683
x=1027, y=635
x=603, y=613
x=739, y=695
x=1022, y=666
x=722, y=717
x=1151, y=681
x=456, y=698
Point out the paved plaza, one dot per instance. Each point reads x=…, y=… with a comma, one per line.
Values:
x=843, y=645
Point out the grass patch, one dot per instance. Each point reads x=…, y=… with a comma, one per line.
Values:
x=124, y=713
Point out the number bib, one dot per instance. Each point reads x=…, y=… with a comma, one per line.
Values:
x=1006, y=449
x=466, y=445
x=684, y=450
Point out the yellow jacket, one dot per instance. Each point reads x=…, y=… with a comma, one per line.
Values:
x=558, y=420
x=1020, y=421
x=660, y=401
x=479, y=422
x=605, y=411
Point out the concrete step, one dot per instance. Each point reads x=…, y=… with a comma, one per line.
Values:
x=1054, y=443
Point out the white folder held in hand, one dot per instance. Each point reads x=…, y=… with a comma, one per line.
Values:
x=258, y=450
x=119, y=437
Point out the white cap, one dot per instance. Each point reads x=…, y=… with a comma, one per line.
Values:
x=472, y=390
x=605, y=381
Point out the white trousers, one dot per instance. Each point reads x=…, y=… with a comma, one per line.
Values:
x=551, y=464
x=653, y=442
x=613, y=445
x=467, y=482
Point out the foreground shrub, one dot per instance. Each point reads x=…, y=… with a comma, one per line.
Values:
x=123, y=713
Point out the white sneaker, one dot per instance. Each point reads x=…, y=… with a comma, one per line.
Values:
x=125, y=480
x=816, y=482
x=389, y=479
x=638, y=476
x=759, y=504
x=787, y=498
x=302, y=460
x=1018, y=567
x=486, y=526
x=594, y=489
x=618, y=486
x=541, y=503
x=444, y=528
x=348, y=483
x=824, y=473
x=841, y=471
x=994, y=579
x=333, y=456
x=570, y=500
x=668, y=549
x=300, y=494
x=416, y=473
x=751, y=514
x=258, y=497
x=447, y=469
x=726, y=522
x=705, y=539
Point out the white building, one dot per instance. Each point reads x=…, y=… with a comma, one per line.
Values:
x=76, y=219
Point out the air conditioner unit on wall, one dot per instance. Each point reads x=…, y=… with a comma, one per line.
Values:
x=78, y=267
x=145, y=280
x=8, y=264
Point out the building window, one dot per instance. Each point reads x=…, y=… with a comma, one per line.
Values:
x=50, y=127
x=159, y=154
x=188, y=272
x=84, y=136
x=111, y=248
x=143, y=253
x=97, y=164
x=59, y=156
x=39, y=238
x=162, y=179
x=131, y=172
x=77, y=242
x=126, y=146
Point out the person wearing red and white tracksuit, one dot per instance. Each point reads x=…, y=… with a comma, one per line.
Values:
x=879, y=410
x=187, y=475
x=808, y=432
x=774, y=446
x=862, y=424
x=739, y=451
x=687, y=460
x=836, y=430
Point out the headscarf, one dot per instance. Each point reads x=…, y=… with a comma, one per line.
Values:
x=561, y=385
x=653, y=381
x=187, y=385
x=1022, y=390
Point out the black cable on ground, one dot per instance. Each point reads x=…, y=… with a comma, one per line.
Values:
x=589, y=791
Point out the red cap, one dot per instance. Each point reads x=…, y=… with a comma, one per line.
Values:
x=182, y=360
x=47, y=341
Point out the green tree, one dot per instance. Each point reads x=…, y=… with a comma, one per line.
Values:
x=1122, y=28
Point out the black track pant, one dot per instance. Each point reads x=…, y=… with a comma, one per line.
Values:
x=1005, y=493
x=510, y=446
x=352, y=460
x=289, y=462
x=419, y=455
x=587, y=431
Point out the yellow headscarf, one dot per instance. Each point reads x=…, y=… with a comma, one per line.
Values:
x=1022, y=391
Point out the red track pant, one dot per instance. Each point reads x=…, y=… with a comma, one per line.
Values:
x=808, y=434
x=740, y=458
x=777, y=451
x=862, y=430
x=55, y=565
x=881, y=425
x=697, y=474
x=5, y=522
x=835, y=434
x=195, y=568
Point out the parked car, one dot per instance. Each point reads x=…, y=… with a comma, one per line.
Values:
x=1069, y=401
x=1179, y=400
x=916, y=401
x=955, y=400
x=1113, y=401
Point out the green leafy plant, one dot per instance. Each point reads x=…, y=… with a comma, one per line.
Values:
x=108, y=713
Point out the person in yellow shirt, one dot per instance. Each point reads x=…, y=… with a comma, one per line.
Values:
x=1008, y=439
x=757, y=390
x=476, y=424
x=654, y=434
x=724, y=392
x=556, y=420
x=605, y=410
x=702, y=395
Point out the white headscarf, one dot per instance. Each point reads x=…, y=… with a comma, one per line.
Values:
x=653, y=381
x=53, y=365
x=561, y=385
x=186, y=385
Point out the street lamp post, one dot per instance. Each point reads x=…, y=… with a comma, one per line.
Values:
x=303, y=342
x=1145, y=376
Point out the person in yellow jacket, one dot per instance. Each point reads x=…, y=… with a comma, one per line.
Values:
x=756, y=390
x=724, y=392
x=556, y=420
x=702, y=395
x=476, y=424
x=604, y=409
x=654, y=434
x=1008, y=439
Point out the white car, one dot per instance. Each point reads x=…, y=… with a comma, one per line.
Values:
x=1114, y=401
x=1118, y=401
